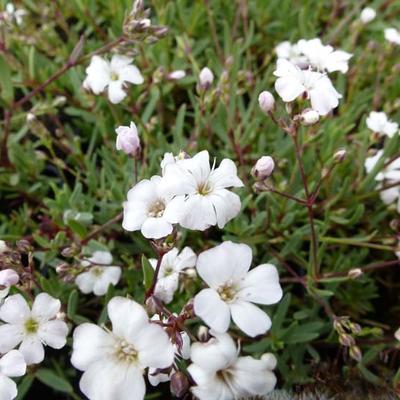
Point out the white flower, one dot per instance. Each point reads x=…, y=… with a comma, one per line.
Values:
x=172, y=265
x=221, y=375
x=99, y=274
x=324, y=58
x=12, y=364
x=266, y=101
x=128, y=139
x=8, y=277
x=201, y=193
x=176, y=75
x=293, y=82
x=11, y=14
x=263, y=168
x=150, y=210
x=169, y=158
x=206, y=78
x=367, y=15
x=114, y=361
x=379, y=123
x=392, y=35
x=233, y=289
x=291, y=52
x=32, y=328
x=102, y=73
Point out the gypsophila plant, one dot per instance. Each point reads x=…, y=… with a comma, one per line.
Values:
x=199, y=199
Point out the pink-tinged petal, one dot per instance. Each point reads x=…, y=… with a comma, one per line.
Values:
x=54, y=333
x=261, y=285
x=212, y=310
x=91, y=343
x=15, y=310
x=249, y=318
x=45, y=307
x=223, y=263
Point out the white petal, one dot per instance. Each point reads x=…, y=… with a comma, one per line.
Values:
x=15, y=310
x=249, y=318
x=212, y=310
x=127, y=316
x=98, y=75
x=110, y=276
x=85, y=282
x=226, y=205
x=109, y=380
x=131, y=74
x=186, y=259
x=8, y=388
x=54, y=333
x=199, y=213
x=10, y=336
x=154, y=347
x=12, y=364
x=289, y=88
x=388, y=196
x=45, y=307
x=91, y=343
x=156, y=228
x=116, y=92
x=119, y=62
x=223, y=263
x=225, y=175
x=101, y=257
x=261, y=285
x=156, y=378
x=32, y=350
x=134, y=216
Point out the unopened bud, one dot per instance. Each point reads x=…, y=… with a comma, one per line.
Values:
x=355, y=353
x=354, y=273
x=346, y=340
x=8, y=277
x=203, y=333
x=179, y=384
x=68, y=252
x=340, y=155
x=367, y=15
x=263, y=168
x=309, y=117
x=24, y=246
x=206, y=78
x=62, y=268
x=270, y=360
x=266, y=101
x=151, y=305
x=176, y=75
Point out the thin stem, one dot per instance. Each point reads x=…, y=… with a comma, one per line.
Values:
x=286, y=195
x=96, y=231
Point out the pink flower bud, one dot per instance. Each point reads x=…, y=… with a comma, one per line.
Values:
x=309, y=117
x=266, y=101
x=206, y=78
x=128, y=139
x=8, y=277
x=263, y=168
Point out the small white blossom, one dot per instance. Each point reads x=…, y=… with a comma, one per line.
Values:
x=379, y=123
x=176, y=75
x=128, y=139
x=263, y=168
x=99, y=274
x=293, y=82
x=102, y=74
x=292, y=53
x=31, y=328
x=392, y=35
x=220, y=374
x=114, y=361
x=150, y=210
x=233, y=289
x=14, y=14
x=201, y=193
x=324, y=58
x=12, y=365
x=172, y=265
x=266, y=101
x=367, y=15
x=206, y=78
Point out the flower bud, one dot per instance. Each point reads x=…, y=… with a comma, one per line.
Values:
x=24, y=246
x=367, y=15
x=309, y=117
x=263, y=168
x=269, y=359
x=355, y=353
x=176, y=75
x=8, y=277
x=340, y=155
x=3, y=246
x=128, y=139
x=266, y=101
x=206, y=78
x=354, y=273
x=203, y=333
x=179, y=384
x=346, y=340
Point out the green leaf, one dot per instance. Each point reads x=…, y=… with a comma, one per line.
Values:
x=24, y=386
x=148, y=272
x=49, y=378
x=72, y=304
x=7, y=90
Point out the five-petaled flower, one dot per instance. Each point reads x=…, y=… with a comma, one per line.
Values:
x=233, y=289
x=102, y=74
x=31, y=328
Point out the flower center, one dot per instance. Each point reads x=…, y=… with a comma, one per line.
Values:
x=97, y=271
x=114, y=76
x=125, y=352
x=227, y=292
x=31, y=326
x=204, y=188
x=168, y=271
x=157, y=209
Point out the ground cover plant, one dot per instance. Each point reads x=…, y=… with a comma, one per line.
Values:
x=199, y=199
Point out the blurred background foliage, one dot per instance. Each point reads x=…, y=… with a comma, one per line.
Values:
x=61, y=177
